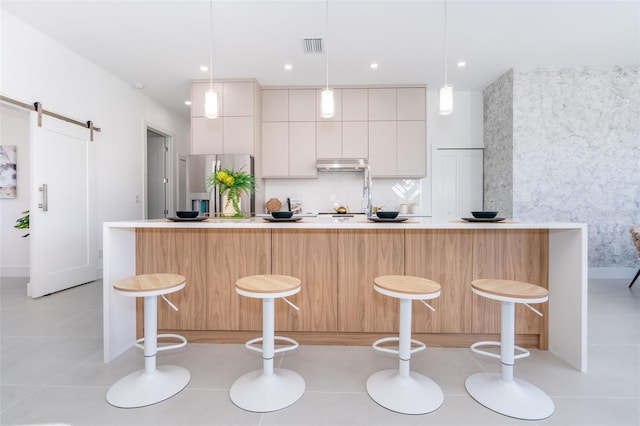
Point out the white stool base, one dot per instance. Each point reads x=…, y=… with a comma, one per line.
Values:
x=416, y=394
x=518, y=399
x=140, y=388
x=259, y=393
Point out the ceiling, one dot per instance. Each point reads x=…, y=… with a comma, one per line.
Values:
x=162, y=44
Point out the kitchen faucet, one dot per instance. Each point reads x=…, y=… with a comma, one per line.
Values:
x=366, y=191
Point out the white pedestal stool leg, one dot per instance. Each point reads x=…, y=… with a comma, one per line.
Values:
x=502, y=392
x=268, y=389
x=153, y=384
x=403, y=390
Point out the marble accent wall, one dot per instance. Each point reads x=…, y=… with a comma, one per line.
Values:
x=575, y=153
x=498, y=146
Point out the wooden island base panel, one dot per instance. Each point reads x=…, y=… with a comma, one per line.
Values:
x=337, y=263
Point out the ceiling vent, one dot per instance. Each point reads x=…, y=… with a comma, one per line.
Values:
x=313, y=45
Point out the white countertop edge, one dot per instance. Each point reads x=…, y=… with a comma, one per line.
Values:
x=315, y=223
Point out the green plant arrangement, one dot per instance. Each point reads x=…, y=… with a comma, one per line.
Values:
x=233, y=183
x=23, y=223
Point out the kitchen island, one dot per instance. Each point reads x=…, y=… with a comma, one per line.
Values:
x=337, y=259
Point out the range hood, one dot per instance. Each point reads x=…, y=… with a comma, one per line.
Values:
x=342, y=164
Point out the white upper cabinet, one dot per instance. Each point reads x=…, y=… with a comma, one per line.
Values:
x=355, y=139
x=302, y=149
x=355, y=105
x=302, y=105
x=329, y=139
x=234, y=131
x=275, y=149
x=382, y=148
x=275, y=105
x=412, y=103
x=382, y=104
x=411, y=148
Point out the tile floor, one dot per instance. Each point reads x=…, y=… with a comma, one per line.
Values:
x=52, y=372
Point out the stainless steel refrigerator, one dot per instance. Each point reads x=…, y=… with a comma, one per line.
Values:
x=209, y=203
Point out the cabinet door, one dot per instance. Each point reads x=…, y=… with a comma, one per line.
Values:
x=382, y=148
x=382, y=104
x=355, y=139
x=302, y=105
x=275, y=149
x=238, y=99
x=412, y=103
x=197, y=97
x=206, y=136
x=302, y=149
x=355, y=104
x=329, y=139
x=275, y=105
x=411, y=149
x=238, y=135
x=456, y=182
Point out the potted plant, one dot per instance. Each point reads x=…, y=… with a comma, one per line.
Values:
x=231, y=183
x=23, y=222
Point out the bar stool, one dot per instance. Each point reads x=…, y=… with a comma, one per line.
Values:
x=268, y=389
x=153, y=384
x=402, y=390
x=502, y=392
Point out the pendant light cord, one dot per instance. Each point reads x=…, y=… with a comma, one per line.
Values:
x=326, y=37
x=445, y=43
x=211, y=45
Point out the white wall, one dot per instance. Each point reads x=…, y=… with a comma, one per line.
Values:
x=36, y=68
x=14, y=250
x=462, y=129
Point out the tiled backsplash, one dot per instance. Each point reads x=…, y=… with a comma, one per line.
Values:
x=332, y=189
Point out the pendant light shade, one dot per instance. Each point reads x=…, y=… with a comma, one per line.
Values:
x=211, y=104
x=446, y=92
x=211, y=96
x=327, y=105
x=446, y=100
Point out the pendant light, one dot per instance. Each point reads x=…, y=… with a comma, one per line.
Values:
x=211, y=96
x=327, y=106
x=446, y=92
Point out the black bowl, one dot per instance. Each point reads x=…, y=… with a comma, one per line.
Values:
x=386, y=214
x=187, y=214
x=282, y=215
x=484, y=215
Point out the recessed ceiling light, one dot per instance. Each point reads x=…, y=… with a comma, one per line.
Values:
x=462, y=64
x=138, y=85
x=187, y=103
x=374, y=65
x=288, y=67
x=204, y=68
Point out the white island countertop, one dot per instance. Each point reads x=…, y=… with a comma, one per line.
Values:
x=567, y=270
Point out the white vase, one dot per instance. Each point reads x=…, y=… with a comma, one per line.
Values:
x=228, y=209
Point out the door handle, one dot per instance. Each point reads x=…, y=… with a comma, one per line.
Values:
x=45, y=198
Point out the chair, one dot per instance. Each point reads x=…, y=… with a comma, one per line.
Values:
x=635, y=237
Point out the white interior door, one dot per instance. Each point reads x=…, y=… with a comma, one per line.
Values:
x=62, y=224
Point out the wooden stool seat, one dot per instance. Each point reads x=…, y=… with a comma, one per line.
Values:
x=407, y=285
x=508, y=289
x=268, y=284
x=150, y=284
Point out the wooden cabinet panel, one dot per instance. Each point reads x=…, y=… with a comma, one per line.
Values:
x=520, y=255
x=238, y=99
x=197, y=97
x=411, y=148
x=230, y=255
x=302, y=105
x=362, y=256
x=355, y=105
x=329, y=139
x=302, y=149
x=238, y=135
x=275, y=149
x=355, y=139
x=206, y=136
x=382, y=104
x=275, y=105
x=175, y=251
x=382, y=148
x=310, y=255
x=444, y=256
x=412, y=103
